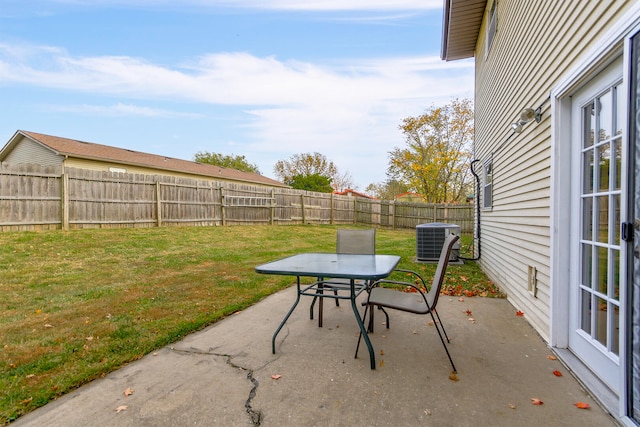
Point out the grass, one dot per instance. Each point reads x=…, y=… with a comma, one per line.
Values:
x=76, y=305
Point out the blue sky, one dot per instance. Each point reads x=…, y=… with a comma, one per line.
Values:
x=266, y=79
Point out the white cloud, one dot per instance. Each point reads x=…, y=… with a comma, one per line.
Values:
x=349, y=111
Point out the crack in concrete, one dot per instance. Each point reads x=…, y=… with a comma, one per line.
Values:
x=254, y=415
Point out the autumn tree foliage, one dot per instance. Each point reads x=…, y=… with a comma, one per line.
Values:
x=226, y=161
x=435, y=160
x=308, y=164
x=313, y=182
x=387, y=190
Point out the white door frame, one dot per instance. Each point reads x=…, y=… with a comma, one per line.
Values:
x=610, y=46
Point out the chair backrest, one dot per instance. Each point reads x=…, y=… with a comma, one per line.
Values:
x=356, y=241
x=438, y=277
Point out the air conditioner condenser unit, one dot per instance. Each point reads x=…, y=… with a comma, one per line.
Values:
x=430, y=239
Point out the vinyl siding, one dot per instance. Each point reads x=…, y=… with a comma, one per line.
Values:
x=28, y=151
x=536, y=44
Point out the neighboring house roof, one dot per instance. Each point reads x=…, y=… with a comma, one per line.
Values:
x=353, y=193
x=409, y=195
x=90, y=151
x=460, y=28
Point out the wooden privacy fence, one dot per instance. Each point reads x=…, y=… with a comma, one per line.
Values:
x=34, y=197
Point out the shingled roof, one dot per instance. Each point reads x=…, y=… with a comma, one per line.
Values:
x=106, y=153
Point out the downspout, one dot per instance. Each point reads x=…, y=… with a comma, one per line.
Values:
x=477, y=210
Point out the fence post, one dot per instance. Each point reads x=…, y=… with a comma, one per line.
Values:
x=222, y=216
x=158, y=204
x=392, y=213
x=304, y=221
x=272, y=211
x=331, y=217
x=64, y=201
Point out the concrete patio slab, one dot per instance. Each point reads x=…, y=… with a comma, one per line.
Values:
x=225, y=375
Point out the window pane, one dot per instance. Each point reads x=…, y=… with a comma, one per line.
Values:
x=603, y=270
x=605, y=116
x=589, y=125
x=601, y=321
x=604, y=162
x=615, y=285
x=616, y=155
x=488, y=196
x=587, y=262
x=620, y=110
x=587, y=185
x=587, y=218
x=615, y=230
x=602, y=226
x=615, y=328
x=585, y=309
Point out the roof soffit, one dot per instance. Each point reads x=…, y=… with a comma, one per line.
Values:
x=460, y=28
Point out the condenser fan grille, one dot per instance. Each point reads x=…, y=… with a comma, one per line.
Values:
x=430, y=239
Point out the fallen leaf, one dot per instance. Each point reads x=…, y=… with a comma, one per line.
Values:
x=382, y=363
x=536, y=401
x=24, y=402
x=453, y=376
x=128, y=391
x=471, y=319
x=46, y=325
x=557, y=373
x=427, y=411
x=30, y=376
x=381, y=352
x=582, y=405
x=276, y=376
x=461, y=299
x=552, y=357
x=519, y=313
x=121, y=408
x=512, y=406
x=469, y=313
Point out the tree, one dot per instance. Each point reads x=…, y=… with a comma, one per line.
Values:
x=387, y=190
x=313, y=182
x=226, y=161
x=435, y=161
x=307, y=164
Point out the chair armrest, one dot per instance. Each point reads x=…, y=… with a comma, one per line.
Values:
x=399, y=299
x=413, y=273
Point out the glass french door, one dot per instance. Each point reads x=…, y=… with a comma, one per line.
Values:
x=633, y=226
x=598, y=123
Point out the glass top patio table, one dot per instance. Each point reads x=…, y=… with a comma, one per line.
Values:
x=321, y=265
x=345, y=266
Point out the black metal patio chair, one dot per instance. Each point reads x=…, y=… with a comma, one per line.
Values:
x=417, y=302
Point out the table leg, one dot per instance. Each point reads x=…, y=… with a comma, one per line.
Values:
x=363, y=330
x=320, y=304
x=293, y=307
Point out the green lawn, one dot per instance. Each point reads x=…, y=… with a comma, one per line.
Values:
x=76, y=305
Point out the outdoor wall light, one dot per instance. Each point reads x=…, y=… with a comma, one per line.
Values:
x=527, y=115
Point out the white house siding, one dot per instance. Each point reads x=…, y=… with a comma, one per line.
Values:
x=536, y=43
x=28, y=151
